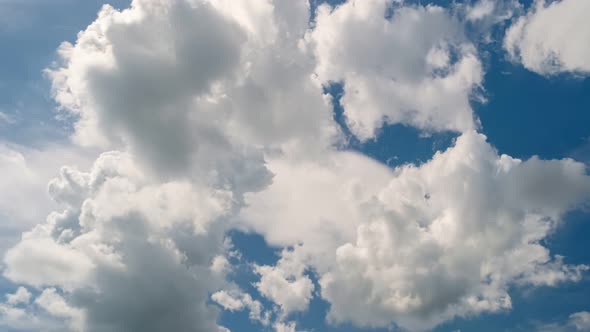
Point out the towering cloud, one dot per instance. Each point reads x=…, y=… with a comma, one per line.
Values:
x=194, y=83
x=191, y=93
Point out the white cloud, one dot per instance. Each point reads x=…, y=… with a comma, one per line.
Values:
x=20, y=319
x=432, y=242
x=20, y=314
x=22, y=295
x=227, y=301
x=38, y=261
x=386, y=68
x=315, y=201
x=202, y=74
x=286, y=284
x=23, y=184
x=552, y=37
x=581, y=320
x=449, y=237
x=220, y=265
x=26, y=172
x=480, y=10
x=237, y=300
x=285, y=327
x=123, y=242
x=190, y=89
x=487, y=12
x=55, y=305
x=486, y=19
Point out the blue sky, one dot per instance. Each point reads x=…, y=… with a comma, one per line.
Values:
x=30, y=33
x=525, y=114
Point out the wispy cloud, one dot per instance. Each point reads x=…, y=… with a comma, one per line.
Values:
x=7, y=119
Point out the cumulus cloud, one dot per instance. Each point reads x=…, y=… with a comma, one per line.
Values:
x=55, y=305
x=22, y=295
x=415, y=67
x=552, y=37
x=122, y=243
x=285, y=327
x=201, y=74
x=237, y=300
x=25, y=174
x=17, y=317
x=449, y=237
x=190, y=89
x=21, y=312
x=581, y=320
x=338, y=181
x=480, y=10
x=440, y=240
x=485, y=20
x=286, y=284
x=488, y=12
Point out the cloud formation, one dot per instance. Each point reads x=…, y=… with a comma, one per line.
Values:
x=448, y=238
x=121, y=243
x=552, y=37
x=201, y=74
x=384, y=62
x=444, y=239
x=211, y=116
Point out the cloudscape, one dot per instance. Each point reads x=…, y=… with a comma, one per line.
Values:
x=294, y=165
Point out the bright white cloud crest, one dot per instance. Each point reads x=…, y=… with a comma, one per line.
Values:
x=212, y=116
x=552, y=37
x=385, y=63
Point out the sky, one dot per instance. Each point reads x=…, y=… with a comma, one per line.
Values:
x=291, y=166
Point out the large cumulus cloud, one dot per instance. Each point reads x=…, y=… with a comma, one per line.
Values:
x=428, y=243
x=192, y=82
x=118, y=253
x=448, y=238
x=188, y=93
